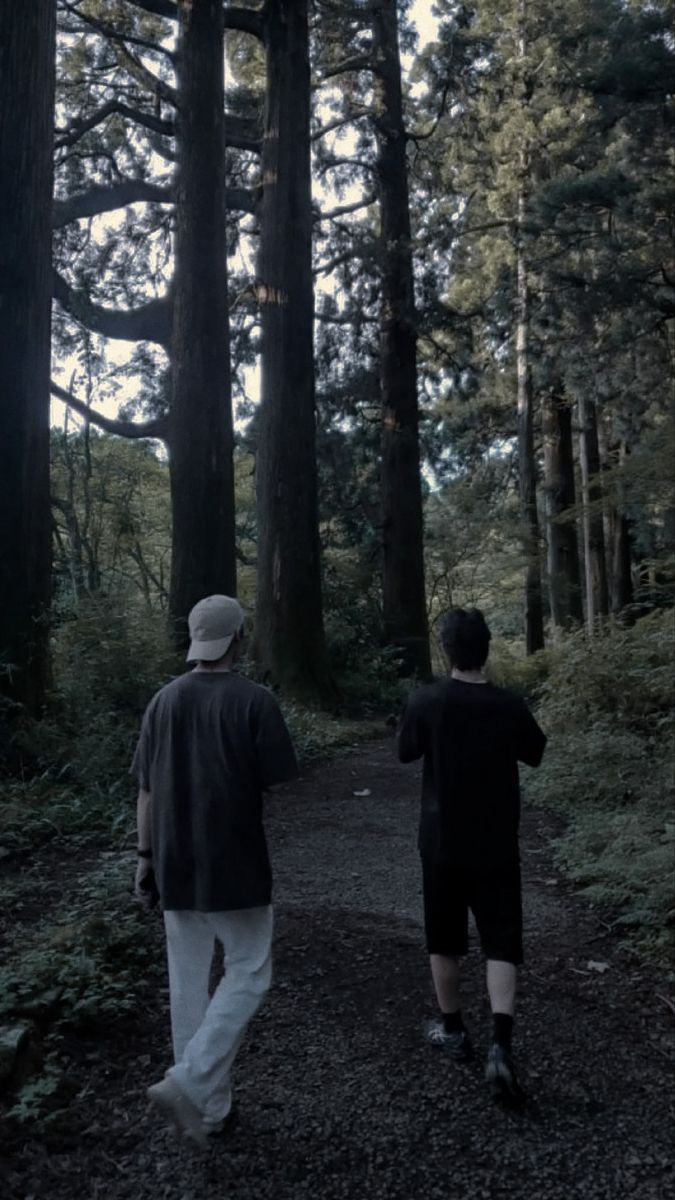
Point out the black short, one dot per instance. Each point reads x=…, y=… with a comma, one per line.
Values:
x=494, y=898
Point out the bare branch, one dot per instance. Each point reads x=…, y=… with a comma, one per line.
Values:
x=340, y=122
x=359, y=62
x=364, y=202
x=159, y=8
x=246, y=20
x=116, y=34
x=243, y=200
x=106, y=199
x=157, y=428
x=142, y=75
x=68, y=137
x=149, y=322
x=243, y=134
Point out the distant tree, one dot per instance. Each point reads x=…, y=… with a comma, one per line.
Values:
x=27, y=58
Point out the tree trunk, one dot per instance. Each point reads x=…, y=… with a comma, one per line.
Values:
x=563, y=551
x=200, y=431
x=534, y=615
x=403, y=588
x=597, y=600
x=27, y=53
x=289, y=638
x=621, y=574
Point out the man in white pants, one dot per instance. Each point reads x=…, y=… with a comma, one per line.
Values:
x=211, y=743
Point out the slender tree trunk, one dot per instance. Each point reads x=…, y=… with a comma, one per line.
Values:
x=200, y=438
x=534, y=615
x=289, y=639
x=597, y=599
x=563, y=551
x=27, y=53
x=621, y=568
x=403, y=589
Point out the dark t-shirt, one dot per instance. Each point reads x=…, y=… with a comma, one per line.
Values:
x=472, y=736
x=210, y=743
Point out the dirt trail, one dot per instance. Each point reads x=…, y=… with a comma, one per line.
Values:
x=338, y=1096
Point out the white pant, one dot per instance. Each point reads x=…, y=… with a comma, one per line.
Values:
x=207, y=1033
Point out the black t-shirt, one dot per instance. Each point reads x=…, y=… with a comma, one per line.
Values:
x=210, y=743
x=472, y=736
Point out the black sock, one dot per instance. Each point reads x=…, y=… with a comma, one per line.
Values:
x=452, y=1022
x=503, y=1028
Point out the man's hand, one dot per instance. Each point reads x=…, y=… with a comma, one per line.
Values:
x=145, y=885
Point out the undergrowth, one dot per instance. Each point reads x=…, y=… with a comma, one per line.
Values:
x=607, y=707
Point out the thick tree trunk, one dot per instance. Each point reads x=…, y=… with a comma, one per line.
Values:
x=595, y=568
x=403, y=590
x=27, y=52
x=289, y=638
x=200, y=432
x=563, y=551
x=534, y=615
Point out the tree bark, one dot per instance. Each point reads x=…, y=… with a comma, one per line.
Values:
x=200, y=426
x=289, y=640
x=403, y=586
x=27, y=54
x=563, y=551
x=621, y=572
x=534, y=615
x=595, y=568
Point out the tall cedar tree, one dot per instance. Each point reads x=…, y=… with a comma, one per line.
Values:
x=289, y=639
x=201, y=436
x=27, y=57
x=403, y=591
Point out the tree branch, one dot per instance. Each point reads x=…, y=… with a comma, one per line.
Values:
x=150, y=322
x=115, y=34
x=339, y=123
x=159, y=8
x=364, y=202
x=247, y=20
x=105, y=199
x=68, y=137
x=242, y=134
x=157, y=428
x=359, y=62
x=142, y=75
x=243, y=200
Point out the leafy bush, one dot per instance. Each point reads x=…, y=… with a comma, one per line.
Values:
x=607, y=707
x=509, y=666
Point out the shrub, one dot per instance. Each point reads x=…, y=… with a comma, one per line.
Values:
x=607, y=708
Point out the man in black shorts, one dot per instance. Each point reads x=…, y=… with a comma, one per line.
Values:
x=472, y=736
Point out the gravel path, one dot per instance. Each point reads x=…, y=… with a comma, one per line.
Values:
x=337, y=1094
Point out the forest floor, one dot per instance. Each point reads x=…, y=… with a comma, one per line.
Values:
x=338, y=1095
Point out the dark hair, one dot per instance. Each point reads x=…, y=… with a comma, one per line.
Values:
x=466, y=638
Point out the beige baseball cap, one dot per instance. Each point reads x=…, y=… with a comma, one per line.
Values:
x=213, y=622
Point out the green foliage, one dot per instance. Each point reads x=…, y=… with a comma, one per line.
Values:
x=80, y=963
x=607, y=707
x=319, y=734
x=509, y=666
x=108, y=661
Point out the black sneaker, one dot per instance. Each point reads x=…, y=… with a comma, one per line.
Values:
x=456, y=1044
x=501, y=1075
